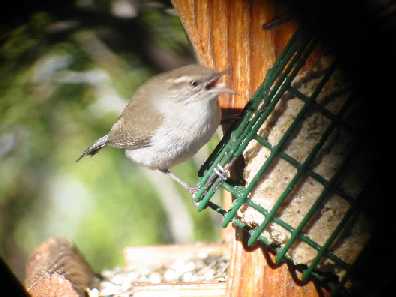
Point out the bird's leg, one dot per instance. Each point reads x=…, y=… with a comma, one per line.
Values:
x=185, y=185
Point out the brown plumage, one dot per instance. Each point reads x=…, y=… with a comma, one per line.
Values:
x=170, y=117
x=134, y=128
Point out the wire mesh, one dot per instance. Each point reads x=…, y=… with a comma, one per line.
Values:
x=278, y=84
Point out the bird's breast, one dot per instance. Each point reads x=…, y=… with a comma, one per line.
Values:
x=183, y=131
x=192, y=124
x=186, y=130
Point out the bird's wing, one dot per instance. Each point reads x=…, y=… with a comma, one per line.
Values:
x=135, y=127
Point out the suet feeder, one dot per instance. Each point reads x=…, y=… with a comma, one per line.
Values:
x=281, y=84
x=296, y=168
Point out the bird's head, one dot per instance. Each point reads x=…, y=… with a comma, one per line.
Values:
x=193, y=83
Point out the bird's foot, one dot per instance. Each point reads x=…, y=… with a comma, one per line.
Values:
x=192, y=190
x=222, y=173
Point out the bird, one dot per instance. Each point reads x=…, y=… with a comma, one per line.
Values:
x=168, y=119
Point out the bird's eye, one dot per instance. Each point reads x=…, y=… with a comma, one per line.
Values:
x=194, y=83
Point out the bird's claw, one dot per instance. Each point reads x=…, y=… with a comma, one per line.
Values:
x=222, y=173
x=193, y=190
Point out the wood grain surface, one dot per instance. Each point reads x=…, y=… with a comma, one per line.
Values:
x=56, y=268
x=230, y=35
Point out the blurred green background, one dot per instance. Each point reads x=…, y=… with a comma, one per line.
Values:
x=67, y=70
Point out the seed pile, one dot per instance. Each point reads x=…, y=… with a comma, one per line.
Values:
x=202, y=267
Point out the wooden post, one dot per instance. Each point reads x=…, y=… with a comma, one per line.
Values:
x=56, y=268
x=229, y=34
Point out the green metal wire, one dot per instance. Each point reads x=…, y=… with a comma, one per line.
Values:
x=320, y=200
x=277, y=83
x=250, y=126
x=300, y=173
x=226, y=153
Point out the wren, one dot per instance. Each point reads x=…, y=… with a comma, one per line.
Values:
x=169, y=118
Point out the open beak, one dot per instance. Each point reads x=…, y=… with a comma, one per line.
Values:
x=214, y=86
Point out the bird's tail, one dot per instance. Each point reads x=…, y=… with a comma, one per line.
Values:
x=93, y=149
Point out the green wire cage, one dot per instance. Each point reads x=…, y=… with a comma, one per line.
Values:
x=279, y=86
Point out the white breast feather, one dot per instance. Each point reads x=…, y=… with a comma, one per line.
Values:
x=185, y=129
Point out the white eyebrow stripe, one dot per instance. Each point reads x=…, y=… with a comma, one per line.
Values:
x=182, y=79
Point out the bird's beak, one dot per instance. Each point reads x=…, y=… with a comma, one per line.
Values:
x=222, y=89
x=214, y=86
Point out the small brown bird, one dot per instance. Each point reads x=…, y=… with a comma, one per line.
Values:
x=170, y=117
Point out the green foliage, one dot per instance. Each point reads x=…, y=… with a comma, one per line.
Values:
x=57, y=95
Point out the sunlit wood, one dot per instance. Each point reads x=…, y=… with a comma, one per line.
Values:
x=229, y=35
